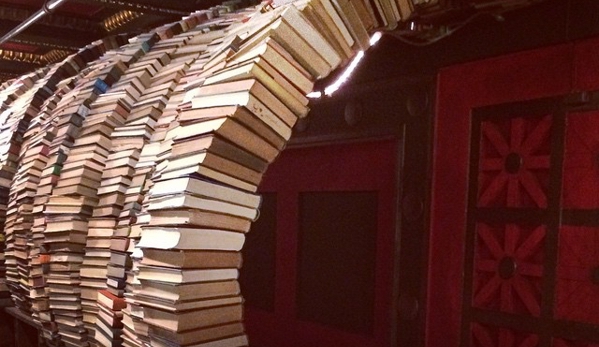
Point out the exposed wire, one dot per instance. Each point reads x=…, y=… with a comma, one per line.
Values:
x=450, y=30
x=332, y=88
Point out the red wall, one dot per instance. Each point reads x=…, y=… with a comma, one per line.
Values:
x=325, y=169
x=528, y=75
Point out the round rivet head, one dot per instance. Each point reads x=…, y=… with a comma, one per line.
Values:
x=513, y=163
x=595, y=275
x=507, y=268
x=417, y=104
x=353, y=113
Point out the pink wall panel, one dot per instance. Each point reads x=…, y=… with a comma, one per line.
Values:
x=523, y=76
x=357, y=167
x=586, y=65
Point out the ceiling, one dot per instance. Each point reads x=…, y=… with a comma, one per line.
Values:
x=76, y=23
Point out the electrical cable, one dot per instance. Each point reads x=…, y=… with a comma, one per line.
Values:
x=444, y=35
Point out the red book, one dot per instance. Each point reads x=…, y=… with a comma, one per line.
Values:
x=110, y=300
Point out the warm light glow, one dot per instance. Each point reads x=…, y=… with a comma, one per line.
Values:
x=348, y=71
x=314, y=95
x=137, y=253
x=375, y=38
x=119, y=19
x=345, y=75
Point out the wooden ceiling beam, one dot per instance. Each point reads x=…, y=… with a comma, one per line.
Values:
x=185, y=6
x=173, y=9
x=142, y=24
x=41, y=35
x=10, y=67
x=49, y=57
x=59, y=21
x=49, y=43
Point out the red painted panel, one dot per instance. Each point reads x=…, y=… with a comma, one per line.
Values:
x=577, y=290
x=19, y=47
x=514, y=163
x=487, y=336
x=581, y=161
x=509, y=268
x=586, y=65
x=570, y=343
x=359, y=167
x=523, y=76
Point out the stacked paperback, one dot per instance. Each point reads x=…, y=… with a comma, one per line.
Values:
x=128, y=203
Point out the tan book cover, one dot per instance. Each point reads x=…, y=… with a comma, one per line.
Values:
x=254, y=96
x=191, y=259
x=204, y=158
x=233, y=131
x=198, y=335
x=179, y=306
x=221, y=148
x=200, y=218
x=267, y=75
x=192, y=319
x=240, y=114
x=179, y=238
x=201, y=187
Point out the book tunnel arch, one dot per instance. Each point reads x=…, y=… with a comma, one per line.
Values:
x=155, y=144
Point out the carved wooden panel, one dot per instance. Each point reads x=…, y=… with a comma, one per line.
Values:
x=532, y=259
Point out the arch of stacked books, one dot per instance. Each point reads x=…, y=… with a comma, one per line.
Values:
x=128, y=171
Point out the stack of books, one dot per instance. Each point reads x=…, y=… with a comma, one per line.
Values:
x=109, y=323
x=26, y=128
x=191, y=257
x=28, y=148
x=109, y=183
x=81, y=177
x=134, y=329
x=102, y=247
x=57, y=268
x=235, y=118
x=9, y=150
x=25, y=99
x=5, y=85
x=45, y=131
x=73, y=166
x=148, y=300
x=174, y=37
x=108, y=226
x=212, y=200
x=18, y=215
x=34, y=149
x=147, y=112
x=137, y=179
